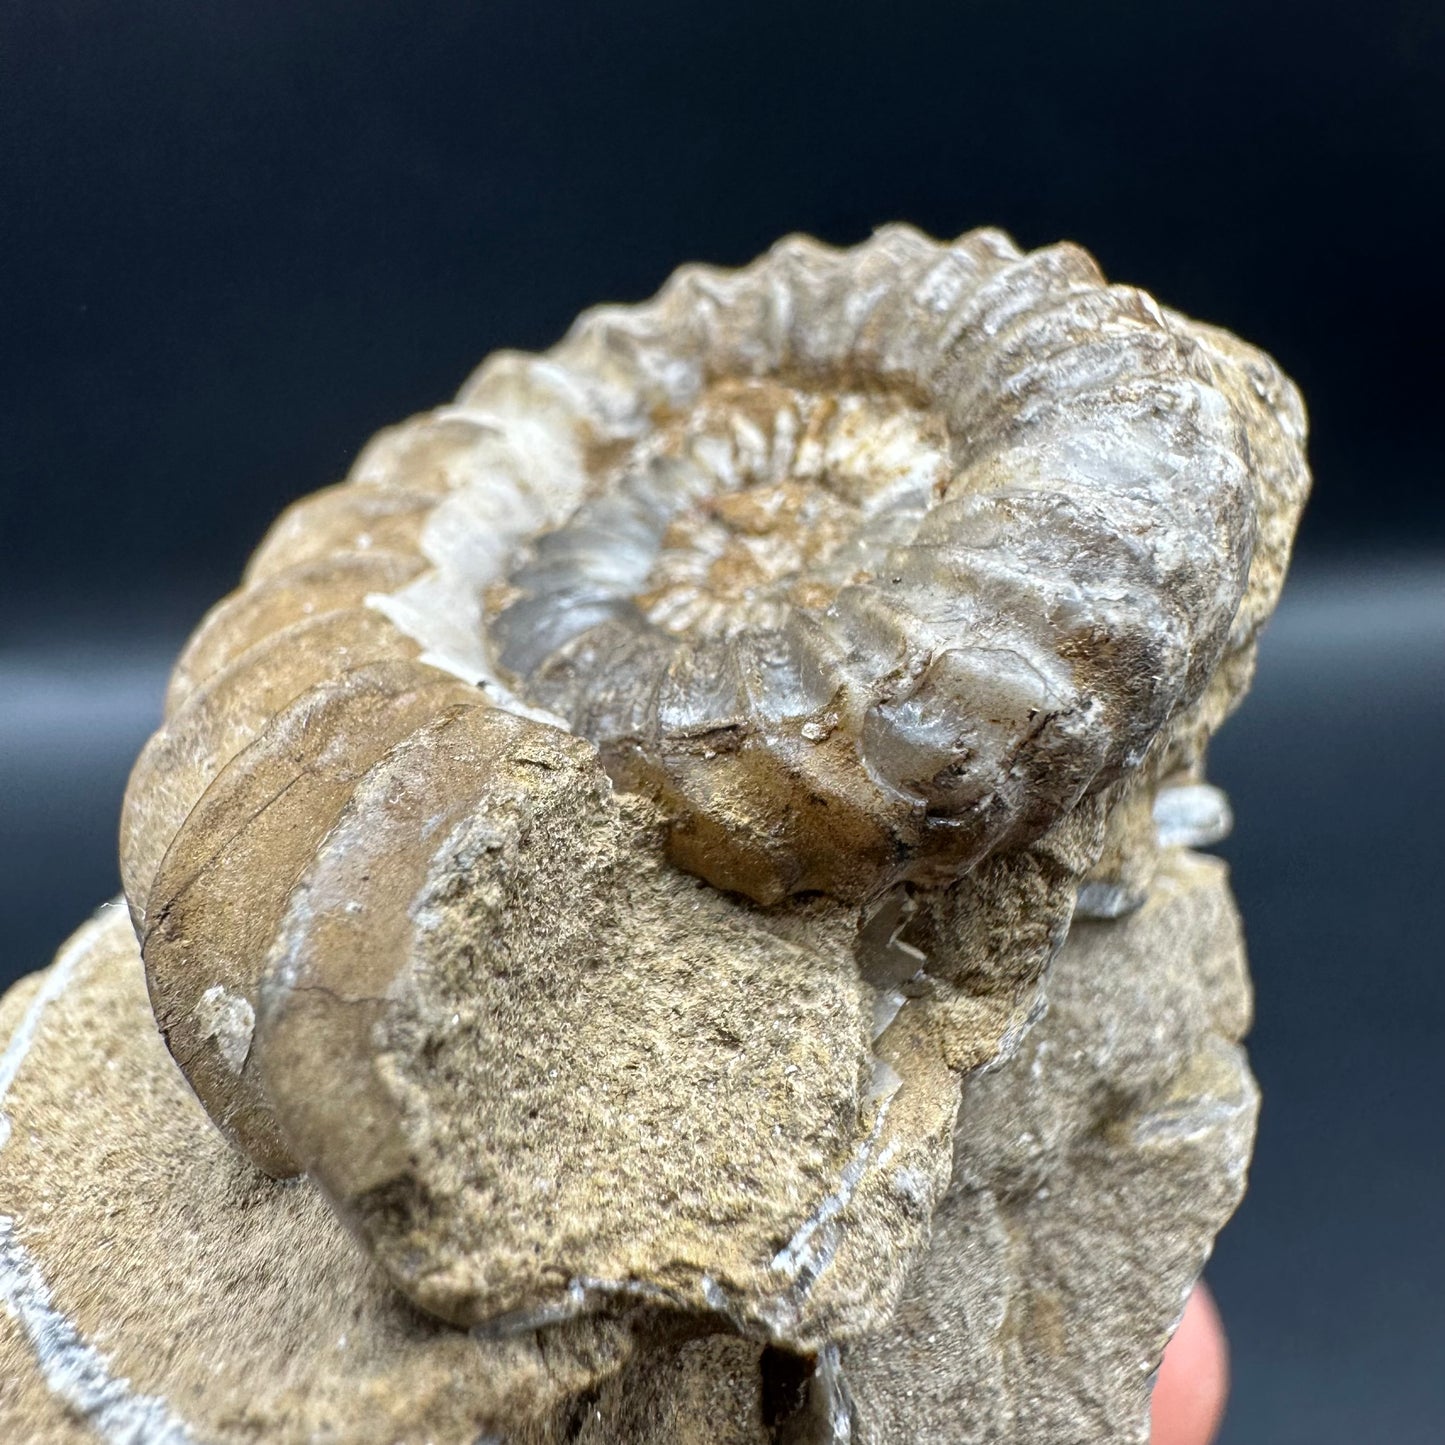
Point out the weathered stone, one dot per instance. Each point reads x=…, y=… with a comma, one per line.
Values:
x=362, y=517
x=159, y=1289
x=1092, y=1173
x=539, y=1069
x=604, y=839
x=332, y=583
x=262, y=819
x=225, y=716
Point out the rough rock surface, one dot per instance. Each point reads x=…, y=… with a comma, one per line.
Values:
x=606, y=841
x=579, y=1074
x=155, y=1282
x=1091, y=1175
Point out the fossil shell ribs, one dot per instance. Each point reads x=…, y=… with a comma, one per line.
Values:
x=859, y=565
x=864, y=563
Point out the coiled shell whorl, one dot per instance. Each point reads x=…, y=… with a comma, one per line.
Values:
x=865, y=563
x=851, y=574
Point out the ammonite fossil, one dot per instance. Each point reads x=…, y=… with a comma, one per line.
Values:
x=820, y=628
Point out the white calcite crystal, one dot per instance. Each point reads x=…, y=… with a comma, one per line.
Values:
x=684, y=850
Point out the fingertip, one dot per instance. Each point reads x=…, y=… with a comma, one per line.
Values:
x=1193, y=1383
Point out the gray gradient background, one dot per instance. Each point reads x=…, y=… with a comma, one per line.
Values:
x=237, y=238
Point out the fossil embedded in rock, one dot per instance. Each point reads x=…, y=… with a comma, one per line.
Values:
x=601, y=837
x=865, y=563
x=1092, y=1172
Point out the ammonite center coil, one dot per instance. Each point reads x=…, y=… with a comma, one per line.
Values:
x=864, y=562
x=890, y=578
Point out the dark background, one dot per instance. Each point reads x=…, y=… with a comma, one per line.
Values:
x=236, y=238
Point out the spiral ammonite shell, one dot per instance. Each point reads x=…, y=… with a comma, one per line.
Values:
x=851, y=573
x=865, y=562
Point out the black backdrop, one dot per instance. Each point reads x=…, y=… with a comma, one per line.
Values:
x=236, y=236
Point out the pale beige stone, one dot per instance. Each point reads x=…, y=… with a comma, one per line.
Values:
x=540, y=1071
x=345, y=518
x=914, y=564
x=1092, y=1173
x=154, y=1282
x=328, y=584
x=604, y=839
x=226, y=715
x=261, y=820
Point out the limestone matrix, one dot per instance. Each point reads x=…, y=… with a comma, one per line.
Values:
x=663, y=908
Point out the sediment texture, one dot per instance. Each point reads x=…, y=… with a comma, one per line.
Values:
x=604, y=839
x=583, y=1076
x=158, y=1288
x=1090, y=1176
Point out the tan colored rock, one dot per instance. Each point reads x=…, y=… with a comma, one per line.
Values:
x=705, y=1391
x=360, y=517
x=899, y=574
x=1091, y=1176
x=1272, y=414
x=226, y=715
x=603, y=840
x=1092, y=1173
x=332, y=583
x=262, y=819
x=540, y=1071
x=158, y=1288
